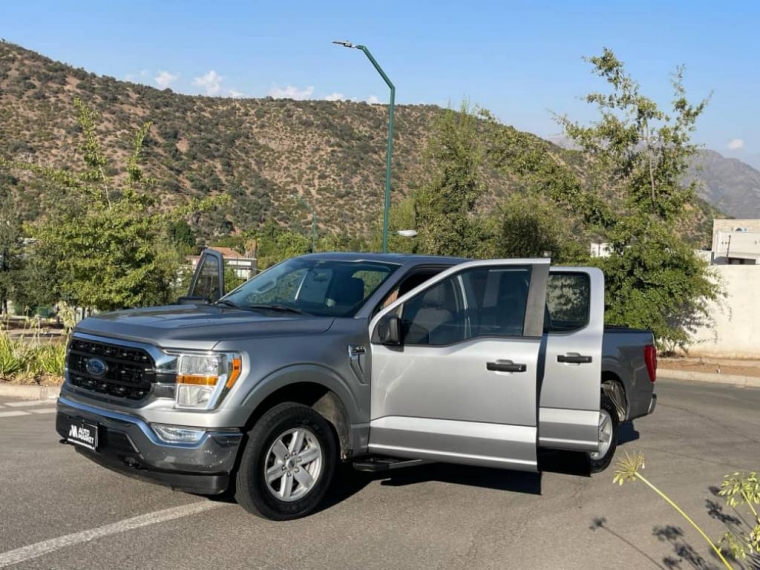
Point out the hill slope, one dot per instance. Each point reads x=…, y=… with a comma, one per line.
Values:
x=729, y=184
x=261, y=151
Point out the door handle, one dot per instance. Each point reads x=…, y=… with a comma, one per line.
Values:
x=574, y=359
x=505, y=366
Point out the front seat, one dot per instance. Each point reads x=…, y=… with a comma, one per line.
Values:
x=425, y=324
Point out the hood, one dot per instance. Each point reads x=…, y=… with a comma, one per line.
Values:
x=198, y=327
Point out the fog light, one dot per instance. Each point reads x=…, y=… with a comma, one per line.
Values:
x=174, y=434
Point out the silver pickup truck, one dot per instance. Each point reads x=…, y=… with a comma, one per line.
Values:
x=381, y=360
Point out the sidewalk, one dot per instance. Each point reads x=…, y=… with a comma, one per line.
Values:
x=718, y=370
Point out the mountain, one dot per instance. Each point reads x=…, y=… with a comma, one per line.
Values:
x=263, y=152
x=729, y=184
x=753, y=160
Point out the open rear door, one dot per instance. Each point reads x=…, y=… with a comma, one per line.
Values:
x=571, y=391
x=207, y=284
x=455, y=364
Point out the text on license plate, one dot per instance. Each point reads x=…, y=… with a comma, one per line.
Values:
x=83, y=433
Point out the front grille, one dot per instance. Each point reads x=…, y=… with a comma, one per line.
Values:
x=129, y=372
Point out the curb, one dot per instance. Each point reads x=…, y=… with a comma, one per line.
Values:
x=30, y=392
x=741, y=381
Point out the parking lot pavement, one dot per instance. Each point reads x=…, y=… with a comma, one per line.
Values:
x=10, y=408
x=58, y=510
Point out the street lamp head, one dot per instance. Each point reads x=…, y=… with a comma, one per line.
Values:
x=344, y=44
x=407, y=233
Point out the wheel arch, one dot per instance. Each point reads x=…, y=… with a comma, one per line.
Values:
x=317, y=388
x=614, y=389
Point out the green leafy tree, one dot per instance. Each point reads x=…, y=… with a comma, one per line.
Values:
x=11, y=246
x=445, y=203
x=532, y=227
x=106, y=245
x=639, y=152
x=276, y=244
x=182, y=235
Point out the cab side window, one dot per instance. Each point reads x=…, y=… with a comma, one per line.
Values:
x=568, y=302
x=479, y=302
x=435, y=316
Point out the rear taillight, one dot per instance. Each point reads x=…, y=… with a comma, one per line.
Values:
x=650, y=357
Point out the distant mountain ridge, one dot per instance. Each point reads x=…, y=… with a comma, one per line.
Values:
x=729, y=184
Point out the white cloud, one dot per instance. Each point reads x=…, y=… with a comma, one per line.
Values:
x=235, y=94
x=211, y=82
x=335, y=97
x=164, y=79
x=373, y=100
x=736, y=144
x=290, y=92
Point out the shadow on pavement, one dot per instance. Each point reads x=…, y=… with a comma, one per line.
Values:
x=686, y=555
x=627, y=433
x=736, y=523
x=499, y=479
x=600, y=524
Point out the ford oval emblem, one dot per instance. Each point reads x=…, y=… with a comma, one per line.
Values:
x=96, y=367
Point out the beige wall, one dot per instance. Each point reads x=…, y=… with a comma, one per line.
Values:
x=735, y=328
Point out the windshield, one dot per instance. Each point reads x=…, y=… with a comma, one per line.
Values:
x=325, y=288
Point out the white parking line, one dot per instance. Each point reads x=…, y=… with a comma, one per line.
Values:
x=44, y=411
x=13, y=413
x=47, y=546
x=28, y=403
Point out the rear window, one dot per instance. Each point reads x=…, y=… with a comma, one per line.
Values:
x=568, y=302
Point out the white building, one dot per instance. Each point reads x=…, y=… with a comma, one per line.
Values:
x=736, y=242
x=244, y=267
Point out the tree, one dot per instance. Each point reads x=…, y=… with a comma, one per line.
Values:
x=106, y=246
x=445, y=203
x=11, y=244
x=532, y=227
x=640, y=152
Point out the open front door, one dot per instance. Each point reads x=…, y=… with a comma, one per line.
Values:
x=455, y=365
x=570, y=394
x=208, y=280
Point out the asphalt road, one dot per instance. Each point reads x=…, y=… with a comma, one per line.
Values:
x=58, y=510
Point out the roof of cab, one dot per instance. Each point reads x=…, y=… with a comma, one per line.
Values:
x=398, y=258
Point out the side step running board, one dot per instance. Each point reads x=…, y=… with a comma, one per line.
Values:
x=379, y=463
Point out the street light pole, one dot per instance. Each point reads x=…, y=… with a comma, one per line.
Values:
x=391, y=108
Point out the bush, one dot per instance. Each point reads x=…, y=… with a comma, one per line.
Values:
x=28, y=360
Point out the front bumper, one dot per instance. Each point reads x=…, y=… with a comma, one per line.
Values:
x=128, y=445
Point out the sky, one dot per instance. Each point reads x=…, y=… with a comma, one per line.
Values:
x=522, y=60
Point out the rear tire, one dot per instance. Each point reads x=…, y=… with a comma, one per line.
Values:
x=287, y=464
x=608, y=428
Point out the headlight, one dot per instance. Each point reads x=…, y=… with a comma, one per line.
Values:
x=204, y=379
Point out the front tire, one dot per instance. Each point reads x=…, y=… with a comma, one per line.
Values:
x=287, y=464
x=608, y=428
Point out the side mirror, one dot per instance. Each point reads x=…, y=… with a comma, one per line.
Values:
x=389, y=330
x=192, y=300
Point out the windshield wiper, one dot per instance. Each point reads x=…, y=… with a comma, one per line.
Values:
x=280, y=308
x=227, y=303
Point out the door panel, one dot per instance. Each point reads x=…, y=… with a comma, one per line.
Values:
x=208, y=279
x=570, y=393
x=471, y=443
x=434, y=396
